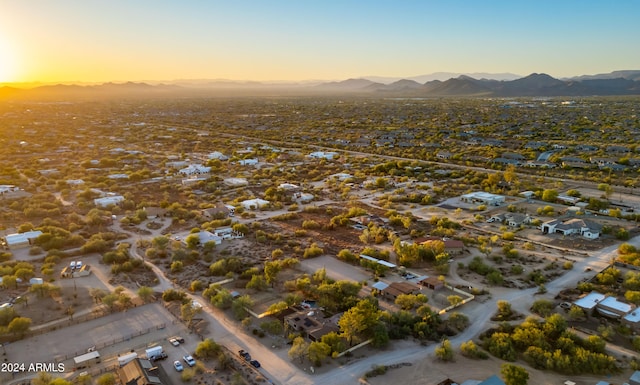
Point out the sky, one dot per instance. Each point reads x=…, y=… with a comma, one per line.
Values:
x=297, y=40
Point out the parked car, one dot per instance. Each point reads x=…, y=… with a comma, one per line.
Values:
x=178, y=366
x=189, y=360
x=245, y=355
x=72, y=265
x=160, y=356
x=174, y=342
x=78, y=264
x=255, y=363
x=179, y=339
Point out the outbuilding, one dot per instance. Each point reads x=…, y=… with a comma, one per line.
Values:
x=20, y=240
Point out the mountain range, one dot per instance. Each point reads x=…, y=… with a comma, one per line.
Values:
x=494, y=85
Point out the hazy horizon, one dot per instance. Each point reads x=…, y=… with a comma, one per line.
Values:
x=73, y=41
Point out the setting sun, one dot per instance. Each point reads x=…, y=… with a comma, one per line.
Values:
x=8, y=66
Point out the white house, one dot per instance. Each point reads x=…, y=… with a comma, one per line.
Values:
x=289, y=186
x=206, y=236
x=194, y=169
x=235, y=182
x=217, y=155
x=108, y=201
x=248, y=162
x=323, y=155
x=586, y=228
x=341, y=176
x=483, y=198
x=611, y=307
x=118, y=176
x=5, y=188
x=19, y=240
x=251, y=204
x=589, y=301
x=633, y=320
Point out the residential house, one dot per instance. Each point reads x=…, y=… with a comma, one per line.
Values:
x=513, y=155
x=206, y=236
x=611, y=307
x=252, y=204
x=312, y=322
x=539, y=164
x=323, y=155
x=220, y=211
x=235, y=182
x=432, y=283
x=511, y=219
x=108, y=201
x=483, y=198
x=7, y=188
x=195, y=169
x=589, y=302
x=20, y=240
x=394, y=289
x=217, y=155
x=248, y=162
x=341, y=176
x=617, y=149
x=443, y=155
x=586, y=228
x=451, y=246
x=632, y=319
x=506, y=161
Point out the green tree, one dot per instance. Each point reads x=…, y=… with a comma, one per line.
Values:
x=106, y=379
x=444, y=352
x=549, y=195
x=514, y=374
x=257, y=283
x=240, y=305
x=299, y=349
x=19, y=326
x=318, y=351
x=208, y=349
x=177, y=266
x=146, y=294
x=271, y=270
x=110, y=300
x=10, y=281
x=192, y=241
x=359, y=320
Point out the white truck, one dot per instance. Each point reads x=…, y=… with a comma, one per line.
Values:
x=125, y=359
x=154, y=353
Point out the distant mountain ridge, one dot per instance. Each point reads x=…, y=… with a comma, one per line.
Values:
x=532, y=85
x=625, y=82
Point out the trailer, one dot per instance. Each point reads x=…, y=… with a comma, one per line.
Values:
x=86, y=359
x=154, y=352
x=125, y=359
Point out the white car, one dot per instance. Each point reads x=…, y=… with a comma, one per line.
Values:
x=72, y=265
x=178, y=366
x=78, y=264
x=189, y=360
x=174, y=342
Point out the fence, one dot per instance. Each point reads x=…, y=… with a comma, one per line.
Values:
x=113, y=342
x=54, y=325
x=19, y=378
